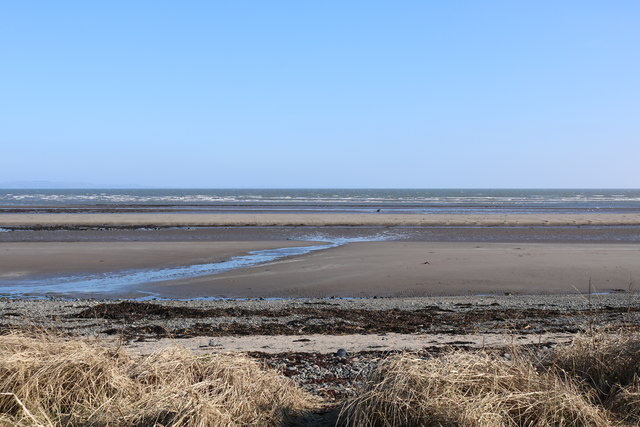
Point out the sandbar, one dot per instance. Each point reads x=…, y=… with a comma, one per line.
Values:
x=373, y=219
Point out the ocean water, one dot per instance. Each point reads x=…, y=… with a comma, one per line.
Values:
x=443, y=201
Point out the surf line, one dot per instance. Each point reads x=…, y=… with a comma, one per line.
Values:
x=105, y=283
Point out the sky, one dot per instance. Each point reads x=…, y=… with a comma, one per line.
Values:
x=327, y=94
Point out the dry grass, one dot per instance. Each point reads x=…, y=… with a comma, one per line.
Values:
x=609, y=365
x=625, y=402
x=604, y=361
x=51, y=381
x=594, y=381
x=468, y=389
x=47, y=381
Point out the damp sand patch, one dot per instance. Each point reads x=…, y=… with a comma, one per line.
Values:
x=107, y=283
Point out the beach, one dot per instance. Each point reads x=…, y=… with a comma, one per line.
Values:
x=320, y=300
x=368, y=285
x=317, y=214
x=376, y=255
x=360, y=269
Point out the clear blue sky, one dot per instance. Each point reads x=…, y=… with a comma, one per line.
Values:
x=321, y=94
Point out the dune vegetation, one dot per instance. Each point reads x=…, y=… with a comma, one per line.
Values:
x=594, y=381
x=47, y=380
x=50, y=381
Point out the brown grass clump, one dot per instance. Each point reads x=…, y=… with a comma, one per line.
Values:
x=604, y=361
x=625, y=402
x=468, y=389
x=609, y=365
x=48, y=381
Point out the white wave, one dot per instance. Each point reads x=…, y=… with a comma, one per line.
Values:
x=273, y=197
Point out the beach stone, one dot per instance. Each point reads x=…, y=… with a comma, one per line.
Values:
x=341, y=352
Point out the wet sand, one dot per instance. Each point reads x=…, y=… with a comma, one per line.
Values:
x=362, y=269
x=373, y=219
x=406, y=269
x=506, y=234
x=412, y=262
x=38, y=259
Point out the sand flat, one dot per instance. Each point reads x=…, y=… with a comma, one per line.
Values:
x=374, y=219
x=24, y=259
x=425, y=268
x=364, y=269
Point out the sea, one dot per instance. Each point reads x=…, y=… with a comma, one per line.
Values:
x=423, y=201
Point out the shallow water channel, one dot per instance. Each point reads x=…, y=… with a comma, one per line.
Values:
x=106, y=283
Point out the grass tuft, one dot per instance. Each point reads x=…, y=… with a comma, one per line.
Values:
x=607, y=365
x=47, y=381
x=604, y=361
x=468, y=389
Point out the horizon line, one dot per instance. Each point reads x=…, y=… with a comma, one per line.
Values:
x=115, y=187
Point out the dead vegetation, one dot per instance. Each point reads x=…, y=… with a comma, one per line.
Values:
x=607, y=366
x=594, y=381
x=144, y=320
x=51, y=381
x=48, y=381
x=468, y=389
